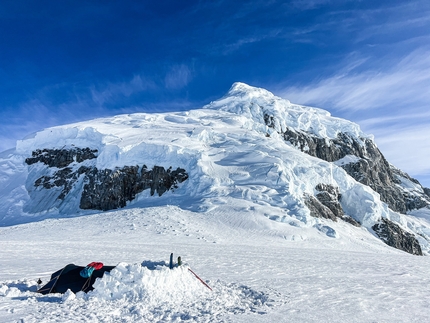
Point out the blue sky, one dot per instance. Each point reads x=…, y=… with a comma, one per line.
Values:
x=367, y=61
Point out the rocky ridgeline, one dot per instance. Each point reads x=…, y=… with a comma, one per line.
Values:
x=371, y=169
x=103, y=189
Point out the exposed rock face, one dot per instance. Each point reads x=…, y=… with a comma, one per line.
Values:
x=326, y=204
x=381, y=177
x=329, y=150
x=101, y=189
x=394, y=236
x=111, y=189
x=61, y=157
x=372, y=169
x=318, y=209
x=63, y=179
x=329, y=196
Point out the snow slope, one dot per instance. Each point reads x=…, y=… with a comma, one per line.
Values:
x=256, y=275
x=239, y=220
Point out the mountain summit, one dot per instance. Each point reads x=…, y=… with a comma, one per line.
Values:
x=250, y=149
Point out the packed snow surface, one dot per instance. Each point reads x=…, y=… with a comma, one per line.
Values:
x=279, y=274
x=239, y=221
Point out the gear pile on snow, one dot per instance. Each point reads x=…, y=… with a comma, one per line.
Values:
x=82, y=279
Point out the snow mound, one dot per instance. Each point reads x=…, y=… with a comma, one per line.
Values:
x=135, y=293
x=153, y=287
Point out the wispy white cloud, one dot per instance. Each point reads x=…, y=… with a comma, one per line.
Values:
x=309, y=4
x=86, y=103
x=105, y=93
x=407, y=82
x=393, y=104
x=409, y=117
x=256, y=37
x=178, y=77
x=406, y=147
x=395, y=19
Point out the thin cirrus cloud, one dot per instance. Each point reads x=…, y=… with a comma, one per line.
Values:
x=110, y=92
x=391, y=104
x=178, y=77
x=407, y=148
x=28, y=118
x=410, y=19
x=86, y=103
x=408, y=82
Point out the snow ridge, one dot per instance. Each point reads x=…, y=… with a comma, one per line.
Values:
x=254, y=103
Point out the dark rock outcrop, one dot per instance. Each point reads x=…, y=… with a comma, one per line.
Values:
x=394, y=236
x=61, y=157
x=371, y=169
x=384, y=179
x=329, y=150
x=330, y=196
x=111, y=189
x=326, y=204
x=64, y=178
x=101, y=189
x=317, y=209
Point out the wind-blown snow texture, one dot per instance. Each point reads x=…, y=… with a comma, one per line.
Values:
x=246, y=187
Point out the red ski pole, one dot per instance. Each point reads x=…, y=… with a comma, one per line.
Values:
x=199, y=279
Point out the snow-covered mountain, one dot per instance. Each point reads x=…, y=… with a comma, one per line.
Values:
x=251, y=150
x=282, y=209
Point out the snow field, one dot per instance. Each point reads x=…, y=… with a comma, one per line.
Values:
x=256, y=274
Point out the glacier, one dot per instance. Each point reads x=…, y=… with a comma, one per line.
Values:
x=232, y=155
